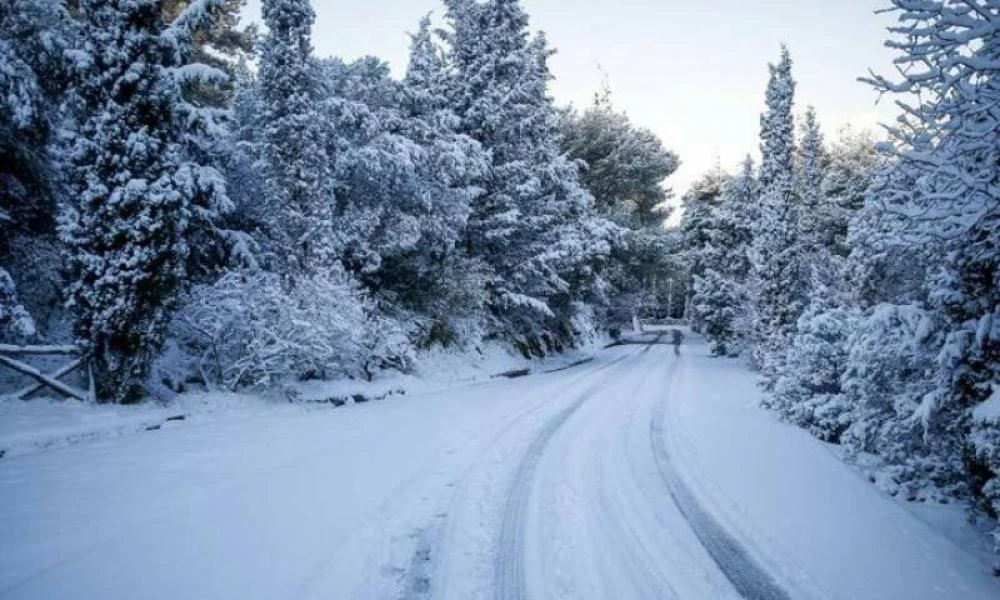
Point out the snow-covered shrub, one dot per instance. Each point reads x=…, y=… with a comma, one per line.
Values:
x=890, y=370
x=809, y=391
x=251, y=329
x=15, y=322
x=384, y=346
x=986, y=441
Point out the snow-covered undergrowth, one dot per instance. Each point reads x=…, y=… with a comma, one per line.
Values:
x=33, y=425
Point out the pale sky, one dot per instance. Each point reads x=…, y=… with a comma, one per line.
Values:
x=692, y=71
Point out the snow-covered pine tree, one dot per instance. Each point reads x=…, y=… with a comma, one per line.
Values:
x=776, y=273
x=533, y=227
x=404, y=187
x=446, y=286
x=35, y=39
x=244, y=227
x=224, y=43
x=891, y=348
x=699, y=220
x=950, y=52
x=624, y=167
x=33, y=36
x=809, y=186
x=297, y=187
x=720, y=291
x=809, y=391
x=137, y=188
x=716, y=303
x=890, y=367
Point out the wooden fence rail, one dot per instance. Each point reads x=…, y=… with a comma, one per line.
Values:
x=48, y=380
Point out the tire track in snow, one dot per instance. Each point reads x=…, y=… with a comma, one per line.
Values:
x=751, y=581
x=426, y=574
x=510, y=575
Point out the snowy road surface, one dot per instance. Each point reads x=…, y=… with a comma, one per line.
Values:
x=638, y=475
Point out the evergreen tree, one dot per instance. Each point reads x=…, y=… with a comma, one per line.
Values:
x=951, y=51
x=776, y=272
x=850, y=167
x=890, y=368
x=36, y=37
x=298, y=197
x=811, y=163
x=698, y=223
x=15, y=322
x=137, y=188
x=808, y=390
x=719, y=298
x=404, y=184
x=624, y=167
x=533, y=227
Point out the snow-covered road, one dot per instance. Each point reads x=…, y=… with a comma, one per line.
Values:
x=638, y=475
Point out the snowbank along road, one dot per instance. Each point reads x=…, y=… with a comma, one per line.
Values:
x=639, y=475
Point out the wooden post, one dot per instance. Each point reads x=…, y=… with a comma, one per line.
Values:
x=91, y=388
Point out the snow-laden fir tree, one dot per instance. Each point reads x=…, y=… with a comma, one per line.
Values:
x=243, y=229
x=891, y=348
x=533, y=227
x=697, y=224
x=33, y=37
x=809, y=184
x=890, y=367
x=137, y=188
x=949, y=52
x=808, y=390
x=445, y=286
x=297, y=190
x=404, y=183
x=776, y=272
x=720, y=293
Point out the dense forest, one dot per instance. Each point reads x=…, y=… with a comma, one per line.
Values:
x=192, y=203
x=197, y=204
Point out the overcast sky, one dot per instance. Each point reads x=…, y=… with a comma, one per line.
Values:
x=693, y=71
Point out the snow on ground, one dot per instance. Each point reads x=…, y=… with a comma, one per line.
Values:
x=620, y=478
x=42, y=423
x=815, y=521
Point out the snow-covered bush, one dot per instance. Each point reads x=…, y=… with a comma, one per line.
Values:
x=890, y=370
x=986, y=441
x=384, y=346
x=809, y=391
x=15, y=322
x=251, y=329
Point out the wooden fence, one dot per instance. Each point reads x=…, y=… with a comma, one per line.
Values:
x=11, y=356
